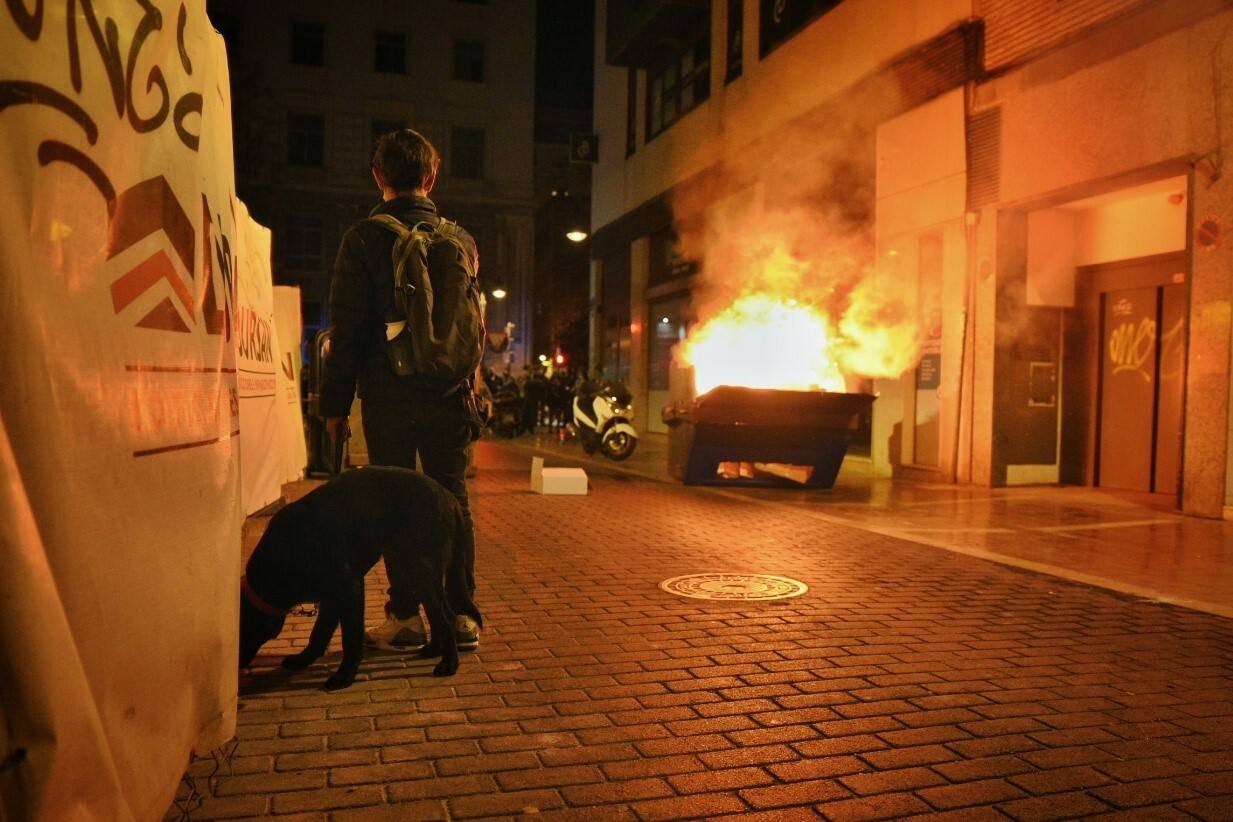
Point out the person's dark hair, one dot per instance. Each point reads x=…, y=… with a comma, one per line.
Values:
x=405, y=159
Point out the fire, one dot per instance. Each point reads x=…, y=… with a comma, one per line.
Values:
x=795, y=302
x=763, y=341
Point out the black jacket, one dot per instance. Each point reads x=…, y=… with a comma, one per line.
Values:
x=362, y=301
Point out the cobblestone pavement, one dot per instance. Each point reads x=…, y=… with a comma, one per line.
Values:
x=908, y=680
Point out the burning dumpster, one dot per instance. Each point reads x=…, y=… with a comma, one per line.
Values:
x=757, y=436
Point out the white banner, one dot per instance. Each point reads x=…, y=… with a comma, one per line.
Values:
x=120, y=498
x=257, y=365
x=289, y=326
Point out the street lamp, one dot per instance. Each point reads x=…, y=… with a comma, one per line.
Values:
x=498, y=293
x=576, y=235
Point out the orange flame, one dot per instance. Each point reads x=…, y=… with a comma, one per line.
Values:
x=804, y=320
x=745, y=344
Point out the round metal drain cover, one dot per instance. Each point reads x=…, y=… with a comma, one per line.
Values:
x=743, y=587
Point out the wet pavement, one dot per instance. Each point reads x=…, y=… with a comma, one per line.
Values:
x=1123, y=542
x=906, y=681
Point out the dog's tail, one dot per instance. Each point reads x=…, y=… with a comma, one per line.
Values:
x=456, y=586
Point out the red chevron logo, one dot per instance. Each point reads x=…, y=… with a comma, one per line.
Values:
x=138, y=212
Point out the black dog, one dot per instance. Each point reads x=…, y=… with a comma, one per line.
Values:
x=319, y=548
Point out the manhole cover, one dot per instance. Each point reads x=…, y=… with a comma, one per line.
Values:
x=743, y=587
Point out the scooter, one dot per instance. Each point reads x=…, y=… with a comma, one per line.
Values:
x=602, y=414
x=506, y=419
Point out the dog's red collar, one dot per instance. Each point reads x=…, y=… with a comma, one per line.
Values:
x=257, y=602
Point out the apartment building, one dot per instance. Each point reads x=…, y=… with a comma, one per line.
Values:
x=315, y=83
x=1042, y=184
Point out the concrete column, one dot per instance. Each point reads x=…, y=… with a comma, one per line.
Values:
x=639, y=275
x=595, y=318
x=1206, y=460
x=984, y=344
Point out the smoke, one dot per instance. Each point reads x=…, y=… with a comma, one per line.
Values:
x=792, y=215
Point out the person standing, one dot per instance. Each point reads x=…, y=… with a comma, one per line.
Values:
x=403, y=416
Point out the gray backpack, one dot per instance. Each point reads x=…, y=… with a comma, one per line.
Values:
x=439, y=332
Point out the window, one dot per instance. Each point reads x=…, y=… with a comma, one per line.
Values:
x=736, y=39
x=302, y=242
x=390, y=56
x=631, y=112
x=307, y=44
x=780, y=19
x=678, y=86
x=306, y=140
x=469, y=61
x=467, y=153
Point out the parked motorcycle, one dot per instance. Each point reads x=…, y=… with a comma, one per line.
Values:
x=506, y=419
x=602, y=414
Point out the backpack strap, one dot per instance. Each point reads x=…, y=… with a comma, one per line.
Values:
x=391, y=223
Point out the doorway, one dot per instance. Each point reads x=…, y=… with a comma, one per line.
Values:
x=1140, y=373
x=667, y=331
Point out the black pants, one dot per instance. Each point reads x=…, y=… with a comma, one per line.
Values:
x=435, y=429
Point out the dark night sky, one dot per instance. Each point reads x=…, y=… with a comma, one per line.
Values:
x=565, y=33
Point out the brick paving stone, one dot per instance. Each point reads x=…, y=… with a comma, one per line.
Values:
x=906, y=757
x=886, y=806
x=380, y=774
x=688, y=807
x=1147, y=792
x=994, y=745
x=1055, y=806
x=231, y=807
x=924, y=736
x=1061, y=780
x=588, y=753
x=983, y=814
x=886, y=781
x=942, y=716
x=841, y=745
x=270, y=783
x=549, y=777
x=1209, y=810
x=653, y=766
x=629, y=790
x=982, y=768
x=1212, y=784
x=797, y=793
x=440, y=787
x=327, y=799
x=1134, y=769
x=720, y=780
x=978, y=792
x=1159, y=813
x=494, y=804
x=777, y=815
x=817, y=768
x=427, y=810
x=689, y=744
x=487, y=763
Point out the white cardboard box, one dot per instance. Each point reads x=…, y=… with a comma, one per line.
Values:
x=557, y=480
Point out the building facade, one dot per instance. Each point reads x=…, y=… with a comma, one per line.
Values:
x=315, y=83
x=1042, y=183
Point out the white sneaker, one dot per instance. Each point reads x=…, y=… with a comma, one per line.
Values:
x=398, y=634
x=466, y=631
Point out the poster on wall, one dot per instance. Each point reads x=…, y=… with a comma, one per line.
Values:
x=257, y=365
x=289, y=325
x=119, y=418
